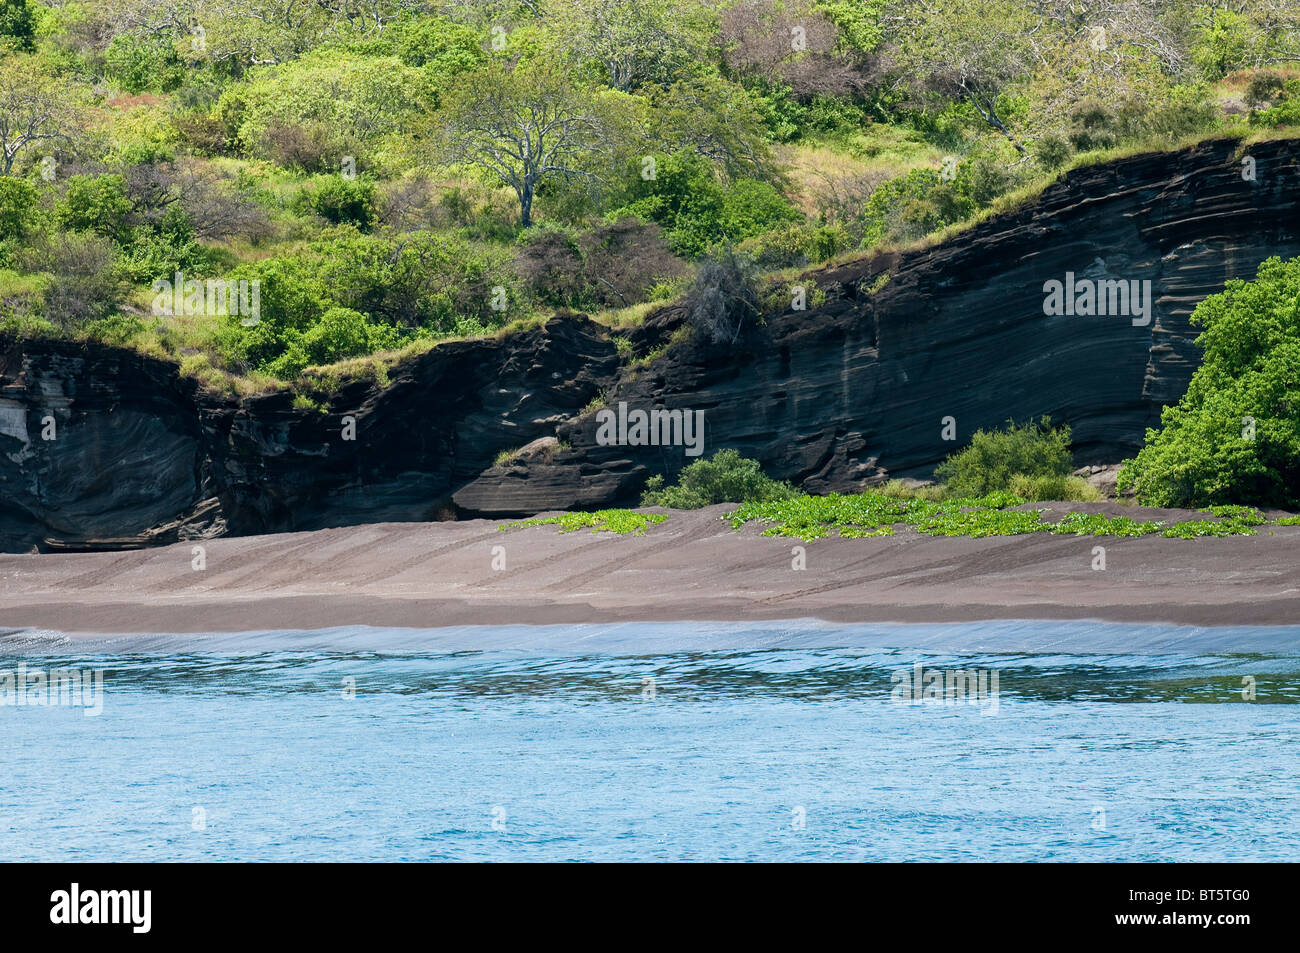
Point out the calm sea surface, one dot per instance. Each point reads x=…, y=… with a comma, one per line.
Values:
x=638, y=743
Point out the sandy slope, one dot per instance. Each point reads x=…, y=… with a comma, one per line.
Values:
x=693, y=567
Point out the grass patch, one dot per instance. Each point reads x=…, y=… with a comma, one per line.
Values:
x=1099, y=524
x=622, y=522
x=1054, y=487
x=978, y=523
x=879, y=512
x=1232, y=521
x=1193, y=529
x=862, y=515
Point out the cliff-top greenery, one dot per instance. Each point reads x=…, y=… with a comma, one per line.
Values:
x=396, y=173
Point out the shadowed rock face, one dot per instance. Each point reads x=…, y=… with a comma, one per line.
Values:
x=139, y=456
x=851, y=392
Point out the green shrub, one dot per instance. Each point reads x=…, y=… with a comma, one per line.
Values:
x=96, y=203
x=911, y=206
x=795, y=244
x=339, y=333
x=85, y=283
x=340, y=201
x=164, y=248
x=1030, y=451
x=697, y=211
x=1053, y=487
x=17, y=208
x=726, y=478
x=1235, y=435
x=140, y=63
x=114, y=329
x=724, y=297
x=421, y=284
x=1285, y=111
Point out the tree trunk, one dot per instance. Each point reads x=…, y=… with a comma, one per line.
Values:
x=526, y=205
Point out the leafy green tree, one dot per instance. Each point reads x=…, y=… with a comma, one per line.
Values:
x=17, y=25
x=523, y=126
x=633, y=43
x=1235, y=435
x=35, y=108
x=972, y=50
x=366, y=100
x=718, y=120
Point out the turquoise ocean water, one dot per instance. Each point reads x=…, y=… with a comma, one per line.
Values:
x=775, y=741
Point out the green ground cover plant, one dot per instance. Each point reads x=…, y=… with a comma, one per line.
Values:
x=622, y=522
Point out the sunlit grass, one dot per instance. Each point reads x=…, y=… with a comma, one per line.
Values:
x=879, y=513
x=622, y=522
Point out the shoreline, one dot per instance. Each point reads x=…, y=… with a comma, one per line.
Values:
x=1003, y=637
x=691, y=568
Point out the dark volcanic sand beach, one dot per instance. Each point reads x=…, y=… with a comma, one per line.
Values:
x=692, y=567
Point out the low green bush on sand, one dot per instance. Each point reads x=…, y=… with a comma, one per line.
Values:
x=725, y=478
x=1034, y=453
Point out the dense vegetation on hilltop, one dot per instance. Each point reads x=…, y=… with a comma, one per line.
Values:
x=397, y=172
